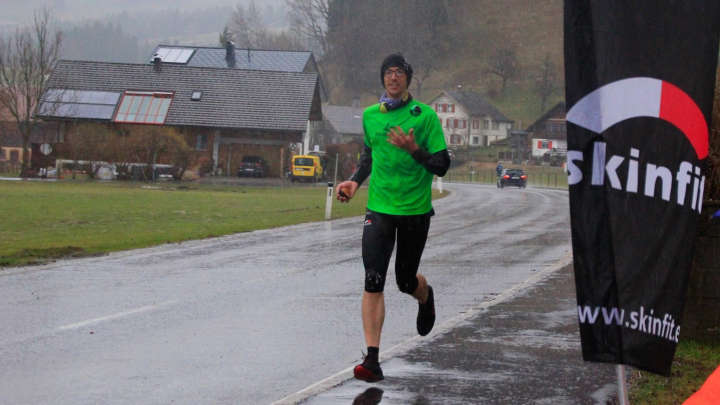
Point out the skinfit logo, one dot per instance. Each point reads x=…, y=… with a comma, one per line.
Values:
x=641, y=97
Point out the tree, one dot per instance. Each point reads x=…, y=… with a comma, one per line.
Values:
x=150, y=143
x=308, y=19
x=546, y=82
x=225, y=37
x=504, y=64
x=26, y=60
x=358, y=37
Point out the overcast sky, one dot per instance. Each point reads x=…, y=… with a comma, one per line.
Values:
x=20, y=11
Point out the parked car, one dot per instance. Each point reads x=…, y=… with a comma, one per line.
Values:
x=254, y=166
x=513, y=177
x=306, y=168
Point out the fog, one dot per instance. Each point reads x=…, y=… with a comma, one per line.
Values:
x=20, y=11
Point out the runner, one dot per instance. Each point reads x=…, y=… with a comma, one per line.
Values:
x=404, y=148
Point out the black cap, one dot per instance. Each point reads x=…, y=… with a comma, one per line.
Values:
x=395, y=60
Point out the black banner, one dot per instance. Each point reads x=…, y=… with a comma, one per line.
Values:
x=639, y=86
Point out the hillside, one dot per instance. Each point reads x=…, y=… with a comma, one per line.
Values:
x=532, y=28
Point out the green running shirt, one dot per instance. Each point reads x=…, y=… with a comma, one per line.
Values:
x=399, y=185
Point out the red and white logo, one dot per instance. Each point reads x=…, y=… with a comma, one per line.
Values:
x=642, y=97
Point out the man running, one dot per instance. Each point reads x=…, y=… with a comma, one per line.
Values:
x=404, y=148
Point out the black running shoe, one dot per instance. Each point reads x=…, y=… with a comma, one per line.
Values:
x=426, y=314
x=370, y=372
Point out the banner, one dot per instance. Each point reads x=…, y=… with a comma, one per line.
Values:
x=639, y=80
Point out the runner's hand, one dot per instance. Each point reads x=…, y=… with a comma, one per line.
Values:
x=397, y=137
x=346, y=190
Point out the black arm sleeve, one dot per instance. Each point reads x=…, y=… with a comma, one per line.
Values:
x=364, y=168
x=438, y=163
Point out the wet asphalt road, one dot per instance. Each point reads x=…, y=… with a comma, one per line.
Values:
x=252, y=318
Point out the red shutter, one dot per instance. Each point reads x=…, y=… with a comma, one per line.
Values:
x=539, y=144
x=453, y=107
x=447, y=124
x=550, y=145
x=436, y=107
x=455, y=123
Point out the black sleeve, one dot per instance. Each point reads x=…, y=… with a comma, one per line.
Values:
x=438, y=163
x=364, y=168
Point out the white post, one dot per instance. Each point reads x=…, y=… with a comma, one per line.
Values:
x=440, y=184
x=622, y=386
x=336, y=166
x=328, y=202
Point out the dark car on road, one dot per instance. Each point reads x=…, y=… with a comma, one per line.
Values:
x=253, y=166
x=512, y=177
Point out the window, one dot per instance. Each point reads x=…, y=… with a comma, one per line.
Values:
x=455, y=123
x=476, y=140
x=196, y=96
x=496, y=125
x=486, y=124
x=544, y=144
x=455, y=139
x=464, y=124
x=201, y=142
x=475, y=124
x=143, y=107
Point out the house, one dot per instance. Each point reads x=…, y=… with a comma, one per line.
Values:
x=11, y=142
x=343, y=124
x=548, y=135
x=468, y=119
x=248, y=59
x=224, y=114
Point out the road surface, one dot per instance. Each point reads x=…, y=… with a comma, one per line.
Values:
x=253, y=317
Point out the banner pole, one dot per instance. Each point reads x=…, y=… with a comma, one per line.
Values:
x=622, y=386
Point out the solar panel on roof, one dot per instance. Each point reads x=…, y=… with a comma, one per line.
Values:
x=174, y=55
x=68, y=103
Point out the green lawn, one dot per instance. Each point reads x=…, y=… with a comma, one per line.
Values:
x=45, y=220
x=694, y=362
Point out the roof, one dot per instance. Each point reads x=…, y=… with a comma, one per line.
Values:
x=477, y=106
x=556, y=111
x=249, y=59
x=231, y=98
x=345, y=120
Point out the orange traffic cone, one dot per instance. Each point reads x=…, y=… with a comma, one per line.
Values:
x=709, y=393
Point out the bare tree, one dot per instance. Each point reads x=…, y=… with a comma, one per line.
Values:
x=26, y=60
x=504, y=64
x=546, y=82
x=308, y=19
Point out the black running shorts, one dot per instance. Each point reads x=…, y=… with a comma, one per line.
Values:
x=379, y=234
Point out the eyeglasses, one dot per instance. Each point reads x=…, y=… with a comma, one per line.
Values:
x=397, y=73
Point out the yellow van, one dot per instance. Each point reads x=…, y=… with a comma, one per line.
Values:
x=305, y=167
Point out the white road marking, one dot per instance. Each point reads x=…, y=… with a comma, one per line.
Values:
x=146, y=308
x=403, y=347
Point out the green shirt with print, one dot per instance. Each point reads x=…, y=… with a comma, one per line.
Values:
x=399, y=185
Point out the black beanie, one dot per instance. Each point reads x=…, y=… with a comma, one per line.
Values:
x=395, y=60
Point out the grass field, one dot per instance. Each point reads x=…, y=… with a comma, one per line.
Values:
x=694, y=362
x=46, y=220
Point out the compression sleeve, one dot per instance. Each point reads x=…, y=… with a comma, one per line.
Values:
x=364, y=168
x=437, y=163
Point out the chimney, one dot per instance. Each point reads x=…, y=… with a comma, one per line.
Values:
x=230, y=54
x=157, y=62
